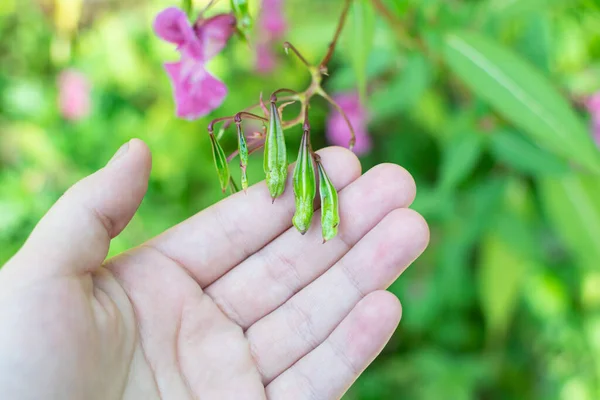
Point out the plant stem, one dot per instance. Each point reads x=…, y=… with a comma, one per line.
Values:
x=341, y=111
x=211, y=124
x=238, y=117
x=288, y=46
x=397, y=26
x=208, y=6
x=303, y=97
x=336, y=36
x=306, y=123
x=274, y=94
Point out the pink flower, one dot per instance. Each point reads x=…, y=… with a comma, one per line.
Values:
x=596, y=130
x=73, y=95
x=265, y=59
x=337, y=130
x=272, y=19
x=593, y=105
x=271, y=27
x=196, y=91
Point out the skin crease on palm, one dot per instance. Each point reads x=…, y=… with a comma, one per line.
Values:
x=232, y=303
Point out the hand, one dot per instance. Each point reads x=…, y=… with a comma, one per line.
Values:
x=231, y=304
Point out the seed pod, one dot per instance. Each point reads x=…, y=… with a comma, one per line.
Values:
x=243, y=150
x=330, y=217
x=220, y=162
x=233, y=187
x=305, y=186
x=275, y=161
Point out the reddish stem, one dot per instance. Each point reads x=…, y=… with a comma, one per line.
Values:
x=238, y=117
x=341, y=111
x=336, y=36
x=208, y=6
x=274, y=94
x=211, y=124
x=288, y=46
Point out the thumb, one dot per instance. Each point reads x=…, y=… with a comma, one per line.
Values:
x=74, y=236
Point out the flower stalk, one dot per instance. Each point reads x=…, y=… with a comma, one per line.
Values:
x=275, y=152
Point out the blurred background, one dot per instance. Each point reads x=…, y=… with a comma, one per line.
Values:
x=489, y=104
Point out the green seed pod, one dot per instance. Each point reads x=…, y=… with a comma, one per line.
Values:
x=220, y=162
x=275, y=161
x=330, y=217
x=305, y=186
x=243, y=150
x=233, y=187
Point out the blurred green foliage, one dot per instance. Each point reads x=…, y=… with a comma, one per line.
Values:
x=480, y=100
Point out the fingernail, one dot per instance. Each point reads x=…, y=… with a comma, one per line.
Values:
x=122, y=150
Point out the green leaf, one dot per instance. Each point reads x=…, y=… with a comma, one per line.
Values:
x=521, y=94
x=405, y=89
x=513, y=149
x=187, y=6
x=516, y=225
x=509, y=9
x=362, y=28
x=472, y=218
x=460, y=158
x=380, y=61
x=536, y=41
x=241, y=10
x=572, y=204
x=501, y=275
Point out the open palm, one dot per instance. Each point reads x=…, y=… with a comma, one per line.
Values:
x=230, y=304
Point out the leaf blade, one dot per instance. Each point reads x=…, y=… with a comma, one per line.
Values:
x=521, y=94
x=362, y=24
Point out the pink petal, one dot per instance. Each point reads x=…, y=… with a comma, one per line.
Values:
x=74, y=95
x=337, y=130
x=214, y=33
x=596, y=129
x=265, y=59
x=593, y=104
x=272, y=20
x=173, y=26
x=275, y=26
x=170, y=25
x=196, y=91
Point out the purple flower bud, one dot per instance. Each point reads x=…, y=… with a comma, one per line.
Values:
x=73, y=95
x=337, y=130
x=195, y=90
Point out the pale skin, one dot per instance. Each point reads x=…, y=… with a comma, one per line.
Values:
x=232, y=303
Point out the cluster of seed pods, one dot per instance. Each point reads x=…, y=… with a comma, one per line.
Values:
x=275, y=164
